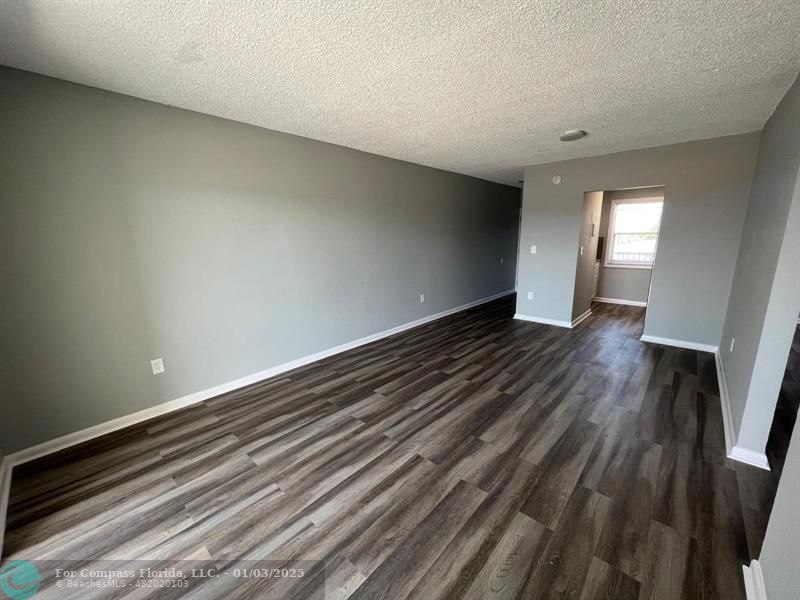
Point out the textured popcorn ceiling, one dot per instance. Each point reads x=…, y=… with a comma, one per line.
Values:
x=482, y=88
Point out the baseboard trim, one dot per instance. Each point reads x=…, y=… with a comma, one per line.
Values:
x=581, y=318
x=653, y=339
x=78, y=437
x=754, y=585
x=95, y=431
x=749, y=457
x=543, y=320
x=90, y=433
x=619, y=301
x=725, y=405
x=734, y=452
x=554, y=322
x=5, y=489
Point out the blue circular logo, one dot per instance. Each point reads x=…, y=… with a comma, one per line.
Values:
x=19, y=579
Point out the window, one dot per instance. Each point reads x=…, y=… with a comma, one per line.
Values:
x=633, y=232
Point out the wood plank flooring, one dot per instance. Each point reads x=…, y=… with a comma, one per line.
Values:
x=475, y=457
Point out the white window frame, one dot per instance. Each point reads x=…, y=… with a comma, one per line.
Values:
x=609, y=248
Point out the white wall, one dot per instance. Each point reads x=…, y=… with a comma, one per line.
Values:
x=765, y=296
x=707, y=184
x=589, y=234
x=779, y=553
x=622, y=283
x=131, y=230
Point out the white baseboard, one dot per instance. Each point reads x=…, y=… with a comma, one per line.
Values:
x=653, y=339
x=725, y=405
x=754, y=581
x=619, y=301
x=84, y=435
x=543, y=321
x=5, y=488
x=734, y=452
x=750, y=457
x=581, y=318
x=555, y=322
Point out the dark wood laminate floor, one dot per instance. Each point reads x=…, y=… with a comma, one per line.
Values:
x=475, y=457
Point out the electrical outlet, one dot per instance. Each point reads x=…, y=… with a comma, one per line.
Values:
x=422, y=298
x=733, y=341
x=157, y=364
x=501, y=261
x=533, y=249
x=530, y=295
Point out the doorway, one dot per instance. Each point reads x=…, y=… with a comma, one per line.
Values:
x=619, y=231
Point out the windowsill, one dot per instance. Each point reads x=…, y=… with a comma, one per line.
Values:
x=624, y=266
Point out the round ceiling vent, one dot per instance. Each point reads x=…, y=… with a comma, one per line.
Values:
x=570, y=135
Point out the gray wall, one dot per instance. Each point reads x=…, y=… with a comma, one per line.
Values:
x=706, y=189
x=584, y=272
x=778, y=558
x=131, y=230
x=621, y=283
x=765, y=296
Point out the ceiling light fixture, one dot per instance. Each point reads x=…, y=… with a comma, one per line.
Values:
x=572, y=134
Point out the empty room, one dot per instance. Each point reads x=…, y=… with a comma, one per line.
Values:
x=389, y=300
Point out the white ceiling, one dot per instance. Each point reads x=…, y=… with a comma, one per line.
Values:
x=482, y=88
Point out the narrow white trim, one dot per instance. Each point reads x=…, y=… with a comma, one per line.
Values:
x=734, y=452
x=543, y=320
x=619, y=265
x=754, y=585
x=581, y=318
x=619, y=301
x=84, y=435
x=653, y=339
x=749, y=457
x=725, y=404
x=5, y=489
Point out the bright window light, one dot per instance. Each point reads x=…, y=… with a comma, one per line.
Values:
x=633, y=232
